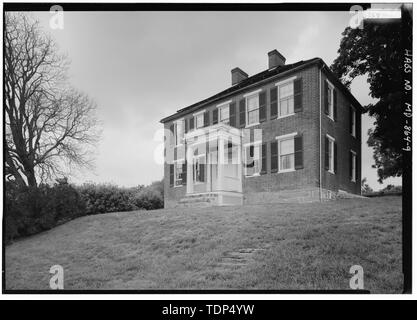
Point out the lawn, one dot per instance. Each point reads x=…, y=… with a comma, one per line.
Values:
x=285, y=246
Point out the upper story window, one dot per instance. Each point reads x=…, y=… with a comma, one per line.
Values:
x=199, y=120
x=179, y=131
x=252, y=109
x=224, y=114
x=330, y=100
x=252, y=159
x=286, y=99
x=352, y=121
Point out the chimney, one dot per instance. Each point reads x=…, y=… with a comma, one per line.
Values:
x=238, y=75
x=275, y=59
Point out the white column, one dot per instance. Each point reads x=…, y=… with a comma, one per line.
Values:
x=220, y=162
x=239, y=161
x=190, y=182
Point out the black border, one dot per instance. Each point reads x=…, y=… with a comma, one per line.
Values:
x=407, y=170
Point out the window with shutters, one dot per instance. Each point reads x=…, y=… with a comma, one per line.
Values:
x=252, y=109
x=353, y=121
x=252, y=163
x=224, y=114
x=286, y=99
x=330, y=153
x=178, y=165
x=179, y=132
x=353, y=166
x=199, y=120
x=286, y=155
x=330, y=100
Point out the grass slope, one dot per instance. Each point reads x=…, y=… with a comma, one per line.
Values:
x=306, y=246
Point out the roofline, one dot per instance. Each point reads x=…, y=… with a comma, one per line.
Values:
x=313, y=61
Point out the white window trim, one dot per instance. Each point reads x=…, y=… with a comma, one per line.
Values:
x=175, y=173
x=280, y=138
x=220, y=107
x=354, y=169
x=246, y=96
x=331, y=164
x=281, y=83
x=195, y=115
x=175, y=132
x=224, y=103
x=252, y=93
x=353, y=133
x=331, y=108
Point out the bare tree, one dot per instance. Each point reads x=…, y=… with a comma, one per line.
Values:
x=50, y=127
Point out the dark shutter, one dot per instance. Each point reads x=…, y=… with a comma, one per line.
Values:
x=171, y=175
x=357, y=169
x=232, y=114
x=334, y=104
x=215, y=116
x=298, y=152
x=326, y=98
x=351, y=120
x=262, y=106
x=326, y=153
x=298, y=95
x=202, y=167
x=175, y=153
x=274, y=156
x=263, y=163
x=335, y=157
x=274, y=103
x=242, y=113
x=184, y=173
x=206, y=119
x=191, y=123
x=350, y=165
x=185, y=125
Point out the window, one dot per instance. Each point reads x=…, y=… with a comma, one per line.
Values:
x=252, y=160
x=353, y=122
x=224, y=114
x=199, y=120
x=231, y=166
x=179, y=132
x=286, y=154
x=252, y=103
x=330, y=100
x=330, y=153
x=178, y=173
x=286, y=99
x=353, y=166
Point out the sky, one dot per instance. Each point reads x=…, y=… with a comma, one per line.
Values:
x=142, y=66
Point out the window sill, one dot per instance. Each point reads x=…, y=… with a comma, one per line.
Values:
x=331, y=118
x=285, y=171
x=252, y=125
x=286, y=116
x=354, y=181
x=332, y=172
x=178, y=186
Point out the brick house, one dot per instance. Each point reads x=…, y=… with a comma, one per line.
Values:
x=289, y=133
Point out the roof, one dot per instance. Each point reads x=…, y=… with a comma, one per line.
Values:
x=260, y=78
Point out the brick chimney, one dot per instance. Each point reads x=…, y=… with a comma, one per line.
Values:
x=275, y=59
x=238, y=75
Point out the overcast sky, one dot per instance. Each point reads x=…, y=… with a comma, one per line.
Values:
x=142, y=66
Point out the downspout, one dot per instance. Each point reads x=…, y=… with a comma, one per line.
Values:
x=320, y=147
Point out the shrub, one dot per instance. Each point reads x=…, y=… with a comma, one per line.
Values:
x=29, y=210
x=150, y=197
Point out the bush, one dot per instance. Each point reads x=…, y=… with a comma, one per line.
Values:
x=29, y=210
x=150, y=197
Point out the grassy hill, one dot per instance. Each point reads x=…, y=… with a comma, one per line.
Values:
x=291, y=246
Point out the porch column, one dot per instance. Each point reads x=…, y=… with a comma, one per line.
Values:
x=220, y=162
x=239, y=163
x=190, y=182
